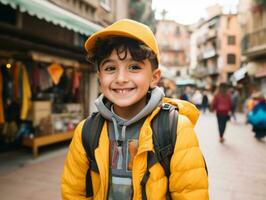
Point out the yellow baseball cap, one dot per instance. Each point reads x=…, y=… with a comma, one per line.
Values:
x=126, y=28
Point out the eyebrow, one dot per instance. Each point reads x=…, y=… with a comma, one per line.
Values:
x=112, y=60
x=106, y=61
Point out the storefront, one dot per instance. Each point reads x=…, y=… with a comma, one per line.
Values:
x=46, y=84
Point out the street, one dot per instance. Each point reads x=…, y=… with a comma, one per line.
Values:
x=236, y=168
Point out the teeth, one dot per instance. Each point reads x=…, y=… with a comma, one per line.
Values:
x=122, y=91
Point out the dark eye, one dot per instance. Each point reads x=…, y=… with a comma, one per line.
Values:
x=109, y=68
x=134, y=67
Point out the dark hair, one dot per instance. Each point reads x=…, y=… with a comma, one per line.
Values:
x=223, y=88
x=138, y=50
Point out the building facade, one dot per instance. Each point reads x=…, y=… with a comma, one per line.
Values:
x=173, y=41
x=218, y=47
x=252, y=18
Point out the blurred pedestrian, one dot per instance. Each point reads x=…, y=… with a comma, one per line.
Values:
x=205, y=101
x=184, y=96
x=222, y=104
x=197, y=99
x=257, y=116
x=234, y=97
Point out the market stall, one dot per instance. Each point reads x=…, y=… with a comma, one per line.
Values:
x=40, y=103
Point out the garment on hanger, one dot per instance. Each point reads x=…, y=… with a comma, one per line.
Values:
x=26, y=99
x=2, y=117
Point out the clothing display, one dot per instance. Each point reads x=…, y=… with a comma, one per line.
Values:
x=2, y=118
x=24, y=84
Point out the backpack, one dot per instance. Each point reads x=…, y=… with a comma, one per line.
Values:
x=164, y=126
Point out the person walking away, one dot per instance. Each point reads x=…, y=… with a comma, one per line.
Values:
x=185, y=94
x=257, y=116
x=235, y=97
x=197, y=99
x=205, y=101
x=127, y=56
x=222, y=104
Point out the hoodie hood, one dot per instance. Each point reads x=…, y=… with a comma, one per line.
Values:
x=185, y=108
x=104, y=107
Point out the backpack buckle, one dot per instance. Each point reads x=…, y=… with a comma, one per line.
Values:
x=166, y=106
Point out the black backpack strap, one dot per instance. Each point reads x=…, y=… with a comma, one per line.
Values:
x=164, y=135
x=91, y=132
x=164, y=127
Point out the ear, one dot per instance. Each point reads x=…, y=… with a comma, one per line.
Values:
x=98, y=78
x=99, y=82
x=156, y=76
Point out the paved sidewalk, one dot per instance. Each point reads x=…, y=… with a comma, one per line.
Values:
x=32, y=179
x=236, y=168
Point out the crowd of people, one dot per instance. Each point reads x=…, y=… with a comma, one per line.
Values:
x=225, y=102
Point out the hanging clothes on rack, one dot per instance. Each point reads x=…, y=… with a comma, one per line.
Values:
x=16, y=84
x=2, y=117
x=76, y=85
x=45, y=79
x=35, y=80
x=26, y=98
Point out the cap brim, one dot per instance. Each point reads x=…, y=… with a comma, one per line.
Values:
x=89, y=44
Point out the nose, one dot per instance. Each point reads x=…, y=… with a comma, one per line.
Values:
x=122, y=76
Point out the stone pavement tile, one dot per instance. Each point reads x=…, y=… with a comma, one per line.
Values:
x=36, y=181
x=221, y=193
x=13, y=190
x=246, y=196
x=237, y=167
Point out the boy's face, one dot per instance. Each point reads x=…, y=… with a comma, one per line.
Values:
x=126, y=82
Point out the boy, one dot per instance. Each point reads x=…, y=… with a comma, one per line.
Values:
x=127, y=57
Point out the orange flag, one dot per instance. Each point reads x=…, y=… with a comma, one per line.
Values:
x=55, y=71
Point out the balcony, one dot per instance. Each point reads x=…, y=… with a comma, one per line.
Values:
x=207, y=53
x=212, y=70
x=92, y=3
x=254, y=44
x=199, y=72
x=212, y=33
x=177, y=46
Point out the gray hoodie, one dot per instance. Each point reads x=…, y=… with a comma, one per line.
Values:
x=123, y=136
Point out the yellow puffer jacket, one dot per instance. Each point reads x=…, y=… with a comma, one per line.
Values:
x=188, y=179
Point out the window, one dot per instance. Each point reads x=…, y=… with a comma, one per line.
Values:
x=231, y=40
x=231, y=58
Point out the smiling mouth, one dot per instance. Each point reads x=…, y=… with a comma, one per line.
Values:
x=123, y=91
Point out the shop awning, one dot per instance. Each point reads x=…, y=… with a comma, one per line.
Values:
x=43, y=57
x=239, y=74
x=43, y=9
x=185, y=82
